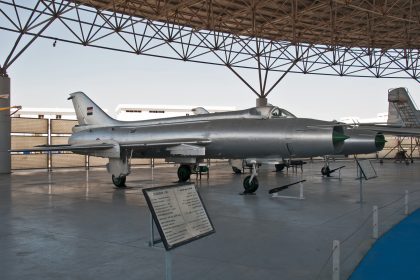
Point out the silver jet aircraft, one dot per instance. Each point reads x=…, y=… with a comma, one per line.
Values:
x=260, y=132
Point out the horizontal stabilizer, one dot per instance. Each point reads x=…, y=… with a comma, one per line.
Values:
x=393, y=130
x=70, y=148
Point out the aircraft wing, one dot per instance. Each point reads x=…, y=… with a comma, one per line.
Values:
x=70, y=148
x=166, y=143
x=178, y=147
x=393, y=130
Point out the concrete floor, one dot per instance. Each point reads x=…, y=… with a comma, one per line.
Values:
x=75, y=225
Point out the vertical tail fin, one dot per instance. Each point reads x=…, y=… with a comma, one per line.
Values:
x=402, y=109
x=87, y=112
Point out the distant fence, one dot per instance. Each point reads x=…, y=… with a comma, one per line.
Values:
x=29, y=132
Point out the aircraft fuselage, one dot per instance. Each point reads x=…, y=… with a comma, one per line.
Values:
x=232, y=138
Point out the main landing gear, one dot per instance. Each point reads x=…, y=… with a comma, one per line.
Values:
x=325, y=171
x=184, y=172
x=119, y=182
x=119, y=168
x=251, y=182
x=279, y=167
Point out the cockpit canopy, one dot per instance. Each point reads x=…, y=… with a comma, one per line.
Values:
x=271, y=112
x=277, y=112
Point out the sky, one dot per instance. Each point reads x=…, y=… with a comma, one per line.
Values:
x=44, y=76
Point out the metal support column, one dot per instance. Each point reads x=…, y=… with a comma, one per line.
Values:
x=261, y=101
x=5, y=125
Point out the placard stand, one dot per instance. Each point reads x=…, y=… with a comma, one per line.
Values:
x=300, y=197
x=274, y=192
x=180, y=217
x=152, y=240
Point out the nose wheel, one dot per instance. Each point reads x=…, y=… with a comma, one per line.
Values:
x=119, y=182
x=250, y=185
x=251, y=181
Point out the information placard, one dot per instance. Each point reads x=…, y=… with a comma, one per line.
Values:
x=178, y=213
x=366, y=167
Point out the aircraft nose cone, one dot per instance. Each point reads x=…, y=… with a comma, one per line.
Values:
x=380, y=141
x=338, y=137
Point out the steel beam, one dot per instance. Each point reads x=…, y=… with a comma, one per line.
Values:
x=5, y=125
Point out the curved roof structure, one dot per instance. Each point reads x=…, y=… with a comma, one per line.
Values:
x=386, y=24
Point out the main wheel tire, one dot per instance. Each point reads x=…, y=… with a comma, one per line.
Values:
x=325, y=171
x=250, y=186
x=236, y=170
x=279, y=167
x=119, y=182
x=184, y=173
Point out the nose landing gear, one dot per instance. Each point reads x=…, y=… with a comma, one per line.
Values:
x=250, y=185
x=251, y=182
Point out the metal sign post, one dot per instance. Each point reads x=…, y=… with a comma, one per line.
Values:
x=361, y=185
x=168, y=265
x=336, y=260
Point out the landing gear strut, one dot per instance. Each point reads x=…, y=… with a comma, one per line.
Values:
x=119, y=168
x=251, y=182
x=184, y=173
x=119, y=182
x=325, y=171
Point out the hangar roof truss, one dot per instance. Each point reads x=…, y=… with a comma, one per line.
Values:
x=385, y=24
x=378, y=38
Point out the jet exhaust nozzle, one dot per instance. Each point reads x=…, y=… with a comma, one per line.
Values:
x=339, y=137
x=363, y=142
x=380, y=141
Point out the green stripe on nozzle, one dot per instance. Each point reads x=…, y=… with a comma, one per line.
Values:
x=339, y=137
x=380, y=141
